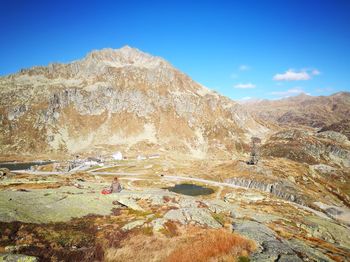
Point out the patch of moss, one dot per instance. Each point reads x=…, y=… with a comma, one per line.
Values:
x=139, y=213
x=243, y=259
x=155, y=216
x=220, y=218
x=65, y=238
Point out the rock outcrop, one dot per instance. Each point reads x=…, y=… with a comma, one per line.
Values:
x=282, y=189
x=304, y=146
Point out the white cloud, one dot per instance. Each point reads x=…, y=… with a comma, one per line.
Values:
x=245, y=86
x=246, y=98
x=315, y=72
x=290, y=92
x=292, y=75
x=243, y=68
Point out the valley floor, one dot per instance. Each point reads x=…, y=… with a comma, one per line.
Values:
x=55, y=215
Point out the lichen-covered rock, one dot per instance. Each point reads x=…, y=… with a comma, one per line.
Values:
x=17, y=258
x=190, y=215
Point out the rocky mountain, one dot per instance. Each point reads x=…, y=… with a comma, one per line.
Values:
x=304, y=110
x=118, y=99
x=342, y=127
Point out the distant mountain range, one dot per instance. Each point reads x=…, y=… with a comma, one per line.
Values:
x=311, y=111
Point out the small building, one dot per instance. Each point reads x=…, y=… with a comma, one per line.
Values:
x=117, y=156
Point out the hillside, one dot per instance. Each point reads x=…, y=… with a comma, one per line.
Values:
x=304, y=110
x=118, y=99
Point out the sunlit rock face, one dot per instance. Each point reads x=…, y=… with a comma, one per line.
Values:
x=120, y=98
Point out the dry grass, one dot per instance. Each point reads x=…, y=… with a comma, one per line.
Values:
x=211, y=244
x=191, y=244
x=139, y=247
x=170, y=229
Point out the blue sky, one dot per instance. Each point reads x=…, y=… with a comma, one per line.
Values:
x=260, y=49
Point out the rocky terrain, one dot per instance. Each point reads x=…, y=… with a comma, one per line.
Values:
x=71, y=218
x=292, y=205
x=304, y=110
x=342, y=127
x=118, y=99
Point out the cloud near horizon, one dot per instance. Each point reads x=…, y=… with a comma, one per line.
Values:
x=245, y=86
x=290, y=92
x=292, y=75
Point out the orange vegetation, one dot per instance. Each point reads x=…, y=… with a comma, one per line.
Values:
x=189, y=244
x=212, y=243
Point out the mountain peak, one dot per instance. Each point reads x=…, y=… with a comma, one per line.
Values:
x=125, y=56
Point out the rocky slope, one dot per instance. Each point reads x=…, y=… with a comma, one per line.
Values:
x=307, y=147
x=303, y=110
x=342, y=127
x=118, y=99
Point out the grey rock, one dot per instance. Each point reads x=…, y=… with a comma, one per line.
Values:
x=192, y=216
x=270, y=247
x=131, y=225
x=130, y=203
x=17, y=258
x=335, y=136
x=289, y=258
x=282, y=189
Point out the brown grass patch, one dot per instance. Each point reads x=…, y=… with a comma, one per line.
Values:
x=212, y=243
x=170, y=229
x=190, y=244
